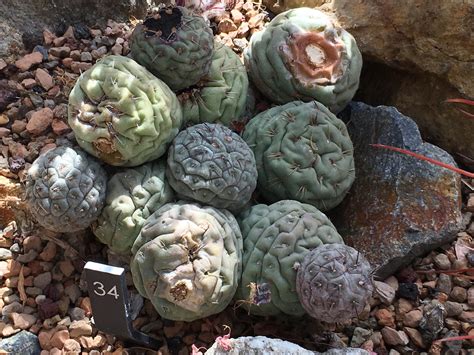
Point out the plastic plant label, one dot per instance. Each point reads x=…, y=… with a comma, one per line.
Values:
x=111, y=305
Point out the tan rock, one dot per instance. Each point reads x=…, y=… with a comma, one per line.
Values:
x=22, y=320
x=59, y=338
x=66, y=267
x=72, y=345
x=48, y=37
x=394, y=337
x=60, y=127
x=49, y=252
x=28, y=83
x=80, y=67
x=385, y=317
x=237, y=16
x=80, y=328
x=415, y=337
x=226, y=25
x=467, y=316
x=60, y=52
x=4, y=119
x=92, y=342
x=10, y=199
x=40, y=121
x=44, y=79
x=3, y=64
x=27, y=61
x=9, y=330
x=413, y=318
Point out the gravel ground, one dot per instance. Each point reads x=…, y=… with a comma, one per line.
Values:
x=42, y=287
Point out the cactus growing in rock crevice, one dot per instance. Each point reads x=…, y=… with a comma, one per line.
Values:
x=65, y=189
x=187, y=260
x=175, y=45
x=213, y=165
x=334, y=283
x=132, y=196
x=276, y=239
x=303, y=55
x=303, y=152
x=122, y=114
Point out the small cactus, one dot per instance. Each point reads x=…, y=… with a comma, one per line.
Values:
x=334, y=283
x=174, y=44
x=65, y=189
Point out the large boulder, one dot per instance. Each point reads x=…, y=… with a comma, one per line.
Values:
x=399, y=207
x=23, y=21
x=430, y=42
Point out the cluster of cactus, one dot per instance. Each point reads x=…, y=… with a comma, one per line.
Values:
x=180, y=201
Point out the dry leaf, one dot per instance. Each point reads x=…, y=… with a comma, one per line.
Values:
x=21, y=286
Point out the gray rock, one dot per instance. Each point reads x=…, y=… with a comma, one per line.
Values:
x=5, y=254
x=399, y=207
x=444, y=283
x=432, y=322
x=261, y=345
x=14, y=307
x=22, y=343
x=24, y=26
x=360, y=336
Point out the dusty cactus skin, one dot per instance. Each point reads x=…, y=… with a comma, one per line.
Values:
x=187, y=260
x=65, y=189
x=132, y=196
x=122, y=114
x=276, y=239
x=303, y=55
x=175, y=45
x=303, y=152
x=221, y=96
x=213, y=165
x=334, y=283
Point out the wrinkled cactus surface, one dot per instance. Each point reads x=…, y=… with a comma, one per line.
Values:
x=65, y=189
x=187, y=260
x=211, y=164
x=221, y=96
x=303, y=55
x=303, y=152
x=132, y=196
x=276, y=239
x=334, y=283
x=175, y=45
x=122, y=114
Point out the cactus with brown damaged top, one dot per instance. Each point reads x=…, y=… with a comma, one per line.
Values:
x=303, y=55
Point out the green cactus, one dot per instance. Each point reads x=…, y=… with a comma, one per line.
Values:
x=303, y=55
x=65, y=189
x=221, y=96
x=132, y=196
x=303, y=152
x=175, y=45
x=122, y=114
x=187, y=260
x=334, y=283
x=213, y=165
x=276, y=239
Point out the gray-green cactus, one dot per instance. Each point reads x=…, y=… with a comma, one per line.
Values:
x=213, y=165
x=65, y=189
x=303, y=152
x=334, y=283
x=132, y=196
x=122, y=114
x=175, y=45
x=221, y=96
x=187, y=260
x=303, y=55
x=276, y=239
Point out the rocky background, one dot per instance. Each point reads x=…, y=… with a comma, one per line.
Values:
x=422, y=56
